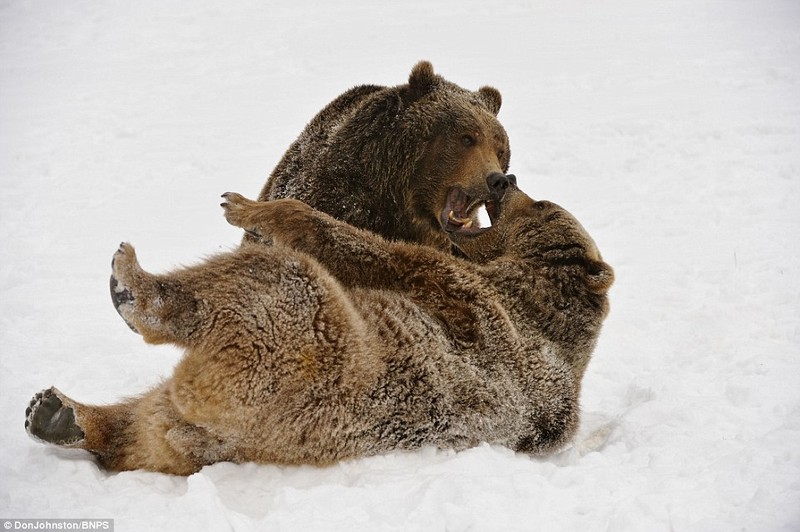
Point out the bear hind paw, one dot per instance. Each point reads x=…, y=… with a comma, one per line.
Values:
x=48, y=419
x=123, y=266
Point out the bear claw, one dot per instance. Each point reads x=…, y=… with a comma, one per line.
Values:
x=49, y=420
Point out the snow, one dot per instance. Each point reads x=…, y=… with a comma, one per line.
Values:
x=670, y=129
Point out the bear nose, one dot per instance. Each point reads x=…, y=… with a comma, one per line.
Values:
x=498, y=183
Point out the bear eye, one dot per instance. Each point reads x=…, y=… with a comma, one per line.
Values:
x=468, y=140
x=500, y=154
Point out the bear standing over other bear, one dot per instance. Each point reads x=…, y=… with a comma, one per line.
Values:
x=318, y=341
x=383, y=158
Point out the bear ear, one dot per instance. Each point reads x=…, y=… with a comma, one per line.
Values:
x=422, y=79
x=599, y=276
x=491, y=98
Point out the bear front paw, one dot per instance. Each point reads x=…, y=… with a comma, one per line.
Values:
x=266, y=221
x=239, y=212
x=236, y=209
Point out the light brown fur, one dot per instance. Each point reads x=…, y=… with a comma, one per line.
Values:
x=333, y=343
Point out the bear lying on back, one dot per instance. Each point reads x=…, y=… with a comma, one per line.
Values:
x=335, y=343
x=383, y=158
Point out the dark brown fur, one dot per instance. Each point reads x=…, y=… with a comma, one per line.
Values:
x=383, y=158
x=335, y=343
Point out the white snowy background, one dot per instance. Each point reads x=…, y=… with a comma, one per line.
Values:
x=670, y=129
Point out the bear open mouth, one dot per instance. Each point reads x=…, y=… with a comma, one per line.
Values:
x=458, y=215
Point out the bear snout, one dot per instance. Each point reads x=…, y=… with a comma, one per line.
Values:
x=498, y=183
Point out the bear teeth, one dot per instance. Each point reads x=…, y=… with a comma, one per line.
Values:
x=463, y=222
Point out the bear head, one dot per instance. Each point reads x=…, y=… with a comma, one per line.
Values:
x=458, y=142
x=384, y=158
x=539, y=233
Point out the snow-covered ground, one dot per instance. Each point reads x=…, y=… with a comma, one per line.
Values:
x=670, y=129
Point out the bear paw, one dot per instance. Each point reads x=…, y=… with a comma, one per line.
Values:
x=48, y=419
x=238, y=213
x=236, y=207
x=123, y=266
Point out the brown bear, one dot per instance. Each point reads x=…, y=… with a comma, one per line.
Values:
x=331, y=342
x=383, y=158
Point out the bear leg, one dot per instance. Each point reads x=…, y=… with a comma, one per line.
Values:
x=355, y=257
x=157, y=307
x=137, y=434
